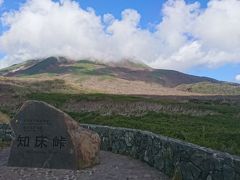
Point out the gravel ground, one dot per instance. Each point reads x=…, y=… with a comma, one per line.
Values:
x=112, y=167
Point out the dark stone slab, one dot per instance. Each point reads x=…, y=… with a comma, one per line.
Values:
x=46, y=137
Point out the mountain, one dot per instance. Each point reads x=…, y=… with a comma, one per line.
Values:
x=125, y=77
x=38, y=66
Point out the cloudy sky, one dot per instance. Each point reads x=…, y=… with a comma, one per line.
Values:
x=198, y=37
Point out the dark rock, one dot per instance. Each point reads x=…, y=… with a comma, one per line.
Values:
x=228, y=172
x=48, y=138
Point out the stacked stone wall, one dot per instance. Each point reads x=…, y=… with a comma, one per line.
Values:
x=177, y=159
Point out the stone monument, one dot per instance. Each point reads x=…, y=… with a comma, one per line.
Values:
x=46, y=137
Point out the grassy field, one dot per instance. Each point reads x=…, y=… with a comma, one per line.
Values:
x=208, y=121
x=211, y=88
x=211, y=123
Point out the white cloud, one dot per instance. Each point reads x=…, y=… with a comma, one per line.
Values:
x=188, y=36
x=237, y=78
x=1, y=2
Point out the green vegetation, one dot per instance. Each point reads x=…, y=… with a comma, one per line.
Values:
x=208, y=122
x=60, y=99
x=85, y=64
x=220, y=130
x=4, y=118
x=13, y=67
x=4, y=144
x=217, y=132
x=83, y=67
x=211, y=88
x=38, y=75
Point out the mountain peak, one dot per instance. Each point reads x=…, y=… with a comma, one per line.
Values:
x=125, y=73
x=130, y=64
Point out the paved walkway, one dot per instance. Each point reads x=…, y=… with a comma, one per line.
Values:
x=112, y=167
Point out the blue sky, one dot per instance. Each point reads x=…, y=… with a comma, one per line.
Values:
x=151, y=13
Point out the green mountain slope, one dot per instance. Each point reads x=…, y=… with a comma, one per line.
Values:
x=125, y=77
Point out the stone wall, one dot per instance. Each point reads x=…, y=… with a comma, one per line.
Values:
x=175, y=158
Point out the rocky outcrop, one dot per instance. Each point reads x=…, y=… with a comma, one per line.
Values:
x=46, y=137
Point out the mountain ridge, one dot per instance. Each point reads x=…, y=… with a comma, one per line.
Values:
x=93, y=74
